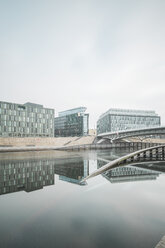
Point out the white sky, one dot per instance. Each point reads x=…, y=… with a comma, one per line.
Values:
x=94, y=53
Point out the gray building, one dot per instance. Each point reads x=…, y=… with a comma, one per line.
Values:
x=125, y=119
x=72, y=122
x=26, y=120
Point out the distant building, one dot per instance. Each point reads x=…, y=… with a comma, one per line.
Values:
x=125, y=119
x=26, y=120
x=72, y=122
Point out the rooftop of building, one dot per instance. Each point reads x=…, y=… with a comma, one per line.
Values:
x=136, y=112
x=31, y=104
x=27, y=104
x=72, y=111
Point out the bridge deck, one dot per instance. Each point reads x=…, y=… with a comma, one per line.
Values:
x=120, y=134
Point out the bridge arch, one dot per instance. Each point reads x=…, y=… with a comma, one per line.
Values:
x=118, y=135
x=157, y=152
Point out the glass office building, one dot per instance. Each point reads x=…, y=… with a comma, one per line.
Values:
x=72, y=122
x=125, y=119
x=26, y=120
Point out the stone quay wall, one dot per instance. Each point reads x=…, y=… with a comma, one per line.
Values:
x=32, y=142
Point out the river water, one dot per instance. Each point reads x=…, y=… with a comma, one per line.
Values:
x=42, y=203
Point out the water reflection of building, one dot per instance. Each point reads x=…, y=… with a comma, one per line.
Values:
x=25, y=175
x=129, y=174
x=29, y=175
x=72, y=170
x=140, y=172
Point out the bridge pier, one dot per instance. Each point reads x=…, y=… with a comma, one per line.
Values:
x=144, y=154
x=132, y=159
x=157, y=154
x=162, y=153
x=138, y=157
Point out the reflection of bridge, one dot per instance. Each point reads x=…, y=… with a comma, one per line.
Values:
x=137, y=172
x=130, y=174
x=131, y=133
x=156, y=153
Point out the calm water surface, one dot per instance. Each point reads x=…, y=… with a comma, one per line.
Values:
x=43, y=205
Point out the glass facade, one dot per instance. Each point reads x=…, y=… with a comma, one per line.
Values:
x=126, y=119
x=72, y=170
x=25, y=175
x=26, y=120
x=33, y=173
x=73, y=122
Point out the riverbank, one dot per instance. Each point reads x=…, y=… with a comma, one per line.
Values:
x=131, y=145
x=45, y=142
x=15, y=144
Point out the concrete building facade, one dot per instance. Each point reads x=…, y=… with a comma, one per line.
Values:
x=125, y=119
x=26, y=120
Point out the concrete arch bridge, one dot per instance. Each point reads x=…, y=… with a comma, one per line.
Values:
x=119, y=135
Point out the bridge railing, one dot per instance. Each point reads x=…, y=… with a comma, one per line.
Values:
x=132, y=133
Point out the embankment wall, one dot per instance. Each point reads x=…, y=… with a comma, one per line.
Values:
x=30, y=141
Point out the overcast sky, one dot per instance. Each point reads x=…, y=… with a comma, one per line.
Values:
x=95, y=53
